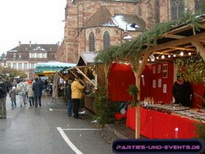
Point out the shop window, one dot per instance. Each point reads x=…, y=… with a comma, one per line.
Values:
x=177, y=8
x=106, y=40
x=91, y=42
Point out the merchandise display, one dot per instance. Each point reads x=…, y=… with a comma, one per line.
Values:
x=176, y=109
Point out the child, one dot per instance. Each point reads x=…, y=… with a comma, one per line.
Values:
x=12, y=95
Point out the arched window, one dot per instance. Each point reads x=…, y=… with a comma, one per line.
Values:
x=91, y=42
x=199, y=6
x=157, y=12
x=106, y=40
x=177, y=8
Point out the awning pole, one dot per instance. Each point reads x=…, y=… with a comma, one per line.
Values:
x=86, y=77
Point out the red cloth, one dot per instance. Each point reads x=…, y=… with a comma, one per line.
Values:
x=160, y=125
x=120, y=78
x=119, y=116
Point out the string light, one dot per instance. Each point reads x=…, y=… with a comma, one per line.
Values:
x=174, y=55
x=189, y=53
x=157, y=57
x=169, y=56
x=182, y=53
x=163, y=57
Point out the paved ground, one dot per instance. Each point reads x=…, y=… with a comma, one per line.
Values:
x=48, y=130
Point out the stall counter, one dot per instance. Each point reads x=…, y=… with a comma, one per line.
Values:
x=159, y=125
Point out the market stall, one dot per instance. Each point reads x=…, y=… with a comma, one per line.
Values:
x=152, y=56
x=87, y=68
x=53, y=70
x=50, y=68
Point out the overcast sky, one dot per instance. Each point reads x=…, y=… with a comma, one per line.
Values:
x=38, y=21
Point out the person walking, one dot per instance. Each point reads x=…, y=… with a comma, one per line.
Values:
x=3, y=93
x=30, y=93
x=77, y=94
x=69, y=99
x=12, y=95
x=21, y=87
x=37, y=88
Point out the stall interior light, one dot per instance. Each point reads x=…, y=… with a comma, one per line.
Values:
x=162, y=56
x=182, y=53
x=189, y=53
x=169, y=56
x=152, y=57
x=157, y=57
x=174, y=55
x=140, y=61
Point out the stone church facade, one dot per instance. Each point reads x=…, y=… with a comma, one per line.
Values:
x=93, y=25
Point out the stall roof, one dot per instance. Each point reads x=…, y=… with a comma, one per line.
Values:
x=86, y=58
x=52, y=67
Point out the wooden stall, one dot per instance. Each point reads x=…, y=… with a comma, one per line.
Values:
x=152, y=55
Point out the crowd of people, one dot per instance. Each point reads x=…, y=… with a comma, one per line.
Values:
x=31, y=91
x=26, y=90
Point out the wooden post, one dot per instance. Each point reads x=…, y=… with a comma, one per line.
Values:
x=200, y=48
x=137, y=74
x=137, y=115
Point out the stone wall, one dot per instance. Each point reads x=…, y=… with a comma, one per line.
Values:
x=76, y=38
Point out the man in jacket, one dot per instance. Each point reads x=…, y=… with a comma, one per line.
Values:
x=37, y=88
x=3, y=93
x=76, y=94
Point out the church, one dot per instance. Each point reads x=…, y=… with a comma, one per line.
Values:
x=94, y=25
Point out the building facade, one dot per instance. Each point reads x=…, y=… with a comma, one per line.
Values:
x=90, y=25
x=24, y=57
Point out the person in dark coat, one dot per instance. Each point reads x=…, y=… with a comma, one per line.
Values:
x=182, y=91
x=3, y=93
x=69, y=99
x=12, y=95
x=37, y=88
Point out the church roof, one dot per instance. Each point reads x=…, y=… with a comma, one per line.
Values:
x=99, y=18
x=103, y=18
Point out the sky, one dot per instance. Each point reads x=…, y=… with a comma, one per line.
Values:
x=38, y=21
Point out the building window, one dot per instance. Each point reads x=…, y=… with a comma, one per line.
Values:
x=106, y=40
x=32, y=66
x=14, y=65
x=14, y=56
x=9, y=65
x=20, y=66
x=31, y=55
x=199, y=6
x=157, y=12
x=91, y=42
x=177, y=9
x=44, y=55
x=25, y=66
